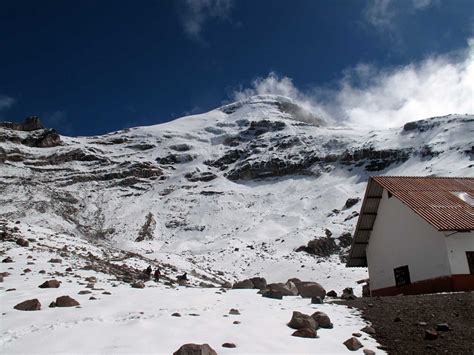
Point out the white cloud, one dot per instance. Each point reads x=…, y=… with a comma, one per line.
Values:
x=383, y=14
x=6, y=102
x=197, y=12
x=372, y=97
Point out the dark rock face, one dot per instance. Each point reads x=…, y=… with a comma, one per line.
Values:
x=180, y=147
x=29, y=305
x=345, y=240
x=31, y=123
x=148, y=228
x=195, y=349
x=50, y=284
x=43, y=139
x=66, y=301
x=323, y=247
x=300, y=321
x=204, y=176
x=176, y=159
x=421, y=125
x=351, y=202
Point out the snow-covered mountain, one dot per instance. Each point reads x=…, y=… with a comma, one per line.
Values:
x=231, y=192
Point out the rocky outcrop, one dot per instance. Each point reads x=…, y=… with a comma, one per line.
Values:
x=203, y=176
x=323, y=247
x=147, y=230
x=31, y=123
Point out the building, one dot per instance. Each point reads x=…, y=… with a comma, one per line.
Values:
x=416, y=235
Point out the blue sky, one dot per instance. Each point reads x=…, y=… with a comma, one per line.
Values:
x=90, y=67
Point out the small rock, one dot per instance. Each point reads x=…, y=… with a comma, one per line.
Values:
x=69, y=269
x=29, y=305
x=234, y=311
x=357, y=335
x=369, y=330
x=431, y=334
x=106, y=293
x=50, y=284
x=316, y=300
x=55, y=261
x=8, y=259
x=442, y=327
x=305, y=333
x=91, y=279
x=27, y=270
x=229, y=345
x=92, y=298
x=10, y=289
x=368, y=352
x=350, y=202
x=331, y=293
x=195, y=349
x=52, y=304
x=66, y=301
x=84, y=292
x=176, y=314
x=42, y=272
x=235, y=322
x=353, y=344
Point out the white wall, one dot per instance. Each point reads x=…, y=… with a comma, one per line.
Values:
x=457, y=245
x=401, y=237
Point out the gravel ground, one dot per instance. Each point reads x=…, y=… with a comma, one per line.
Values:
x=400, y=322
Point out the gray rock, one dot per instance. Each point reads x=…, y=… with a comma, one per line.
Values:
x=50, y=284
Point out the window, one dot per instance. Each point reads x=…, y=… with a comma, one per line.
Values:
x=470, y=261
x=402, y=275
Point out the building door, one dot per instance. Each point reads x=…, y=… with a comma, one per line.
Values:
x=470, y=261
x=402, y=275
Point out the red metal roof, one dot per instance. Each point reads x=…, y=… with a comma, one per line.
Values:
x=433, y=199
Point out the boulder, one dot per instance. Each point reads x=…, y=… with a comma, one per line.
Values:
x=244, y=284
x=259, y=282
x=322, y=319
x=331, y=293
x=29, y=305
x=195, y=349
x=353, y=344
x=282, y=289
x=300, y=321
x=66, y=301
x=305, y=333
x=290, y=285
x=50, y=284
x=22, y=242
x=316, y=300
x=271, y=294
x=324, y=246
x=234, y=311
x=311, y=289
